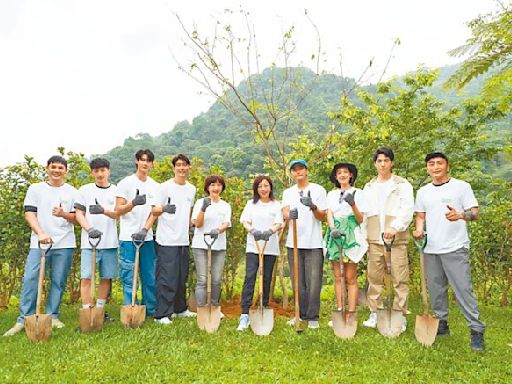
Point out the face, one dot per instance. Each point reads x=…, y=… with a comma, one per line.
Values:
x=437, y=167
x=56, y=172
x=215, y=189
x=264, y=189
x=383, y=164
x=101, y=175
x=343, y=176
x=299, y=172
x=144, y=164
x=181, y=168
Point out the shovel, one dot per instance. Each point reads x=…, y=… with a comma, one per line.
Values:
x=208, y=316
x=91, y=319
x=389, y=321
x=344, y=326
x=38, y=326
x=298, y=327
x=261, y=319
x=133, y=316
x=426, y=325
x=192, y=302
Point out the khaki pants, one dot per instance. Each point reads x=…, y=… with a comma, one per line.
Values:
x=399, y=275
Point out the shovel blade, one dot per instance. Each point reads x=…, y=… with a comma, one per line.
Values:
x=192, y=302
x=91, y=319
x=38, y=327
x=208, y=318
x=426, y=329
x=389, y=325
x=261, y=320
x=344, y=327
x=133, y=316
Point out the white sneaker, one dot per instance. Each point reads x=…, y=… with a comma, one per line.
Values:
x=372, y=320
x=244, y=322
x=186, y=313
x=404, y=325
x=163, y=321
x=56, y=323
x=18, y=327
x=313, y=324
x=292, y=321
x=221, y=316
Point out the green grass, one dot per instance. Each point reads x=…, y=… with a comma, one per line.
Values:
x=182, y=353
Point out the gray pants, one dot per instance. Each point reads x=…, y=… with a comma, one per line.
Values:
x=310, y=281
x=201, y=262
x=452, y=268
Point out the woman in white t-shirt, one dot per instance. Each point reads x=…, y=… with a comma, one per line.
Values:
x=345, y=214
x=262, y=218
x=210, y=215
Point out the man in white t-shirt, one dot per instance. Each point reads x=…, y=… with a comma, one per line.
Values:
x=445, y=206
x=133, y=204
x=173, y=206
x=95, y=212
x=308, y=202
x=390, y=200
x=50, y=214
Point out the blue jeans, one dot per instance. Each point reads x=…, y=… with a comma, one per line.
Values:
x=147, y=266
x=106, y=260
x=201, y=262
x=57, y=266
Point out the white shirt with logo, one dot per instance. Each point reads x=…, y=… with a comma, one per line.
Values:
x=216, y=214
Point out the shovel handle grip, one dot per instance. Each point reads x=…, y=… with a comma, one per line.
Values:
x=387, y=244
x=209, y=244
x=93, y=243
x=46, y=247
x=421, y=243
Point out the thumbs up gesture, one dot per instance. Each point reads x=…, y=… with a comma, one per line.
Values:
x=58, y=211
x=308, y=201
x=96, y=209
x=169, y=208
x=452, y=214
x=139, y=199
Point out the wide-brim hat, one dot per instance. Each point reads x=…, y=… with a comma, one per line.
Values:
x=352, y=169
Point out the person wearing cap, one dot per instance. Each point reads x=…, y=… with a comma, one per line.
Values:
x=307, y=203
x=345, y=213
x=390, y=209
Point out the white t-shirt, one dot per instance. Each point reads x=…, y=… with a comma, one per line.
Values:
x=382, y=189
x=106, y=197
x=262, y=216
x=309, y=229
x=172, y=229
x=216, y=214
x=343, y=209
x=445, y=236
x=134, y=220
x=44, y=198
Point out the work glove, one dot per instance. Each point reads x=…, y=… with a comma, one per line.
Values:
x=350, y=198
x=169, y=208
x=265, y=235
x=257, y=234
x=206, y=203
x=294, y=214
x=214, y=233
x=139, y=199
x=94, y=233
x=191, y=229
x=140, y=236
x=96, y=209
x=336, y=233
x=308, y=201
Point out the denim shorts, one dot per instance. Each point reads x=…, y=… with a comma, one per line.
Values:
x=106, y=260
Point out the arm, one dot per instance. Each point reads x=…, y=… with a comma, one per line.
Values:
x=123, y=206
x=31, y=218
x=156, y=211
x=330, y=218
x=418, y=233
x=467, y=215
x=81, y=220
x=319, y=214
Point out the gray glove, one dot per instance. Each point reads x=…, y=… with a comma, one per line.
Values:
x=308, y=201
x=140, y=236
x=335, y=233
x=214, y=233
x=206, y=203
x=139, y=199
x=96, y=209
x=257, y=234
x=94, y=233
x=294, y=214
x=265, y=235
x=169, y=208
x=191, y=229
x=350, y=198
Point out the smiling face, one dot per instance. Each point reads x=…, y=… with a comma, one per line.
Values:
x=101, y=176
x=343, y=176
x=215, y=189
x=264, y=189
x=182, y=169
x=384, y=165
x=56, y=173
x=438, y=168
x=299, y=172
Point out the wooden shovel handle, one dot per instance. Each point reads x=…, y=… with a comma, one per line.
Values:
x=44, y=251
x=296, y=274
x=138, y=245
x=261, y=256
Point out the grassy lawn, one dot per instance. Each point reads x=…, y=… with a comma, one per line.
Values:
x=181, y=353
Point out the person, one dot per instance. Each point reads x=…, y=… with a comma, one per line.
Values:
x=390, y=209
x=307, y=203
x=50, y=214
x=95, y=212
x=346, y=207
x=133, y=204
x=262, y=218
x=211, y=216
x=173, y=207
x=446, y=205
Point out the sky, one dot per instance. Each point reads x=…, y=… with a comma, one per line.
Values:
x=85, y=75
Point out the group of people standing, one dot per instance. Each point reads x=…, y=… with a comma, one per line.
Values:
x=360, y=219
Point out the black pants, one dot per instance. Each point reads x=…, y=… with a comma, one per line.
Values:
x=251, y=272
x=171, y=279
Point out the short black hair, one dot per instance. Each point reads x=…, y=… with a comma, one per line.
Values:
x=388, y=152
x=147, y=152
x=181, y=157
x=99, y=162
x=214, y=179
x=57, y=159
x=433, y=155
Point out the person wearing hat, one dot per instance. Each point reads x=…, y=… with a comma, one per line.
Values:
x=307, y=203
x=345, y=212
x=390, y=209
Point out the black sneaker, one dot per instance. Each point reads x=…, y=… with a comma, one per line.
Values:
x=107, y=317
x=477, y=341
x=443, y=329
